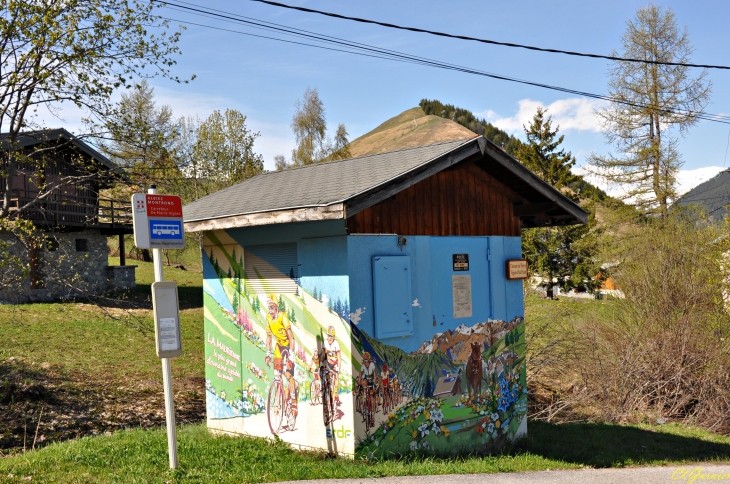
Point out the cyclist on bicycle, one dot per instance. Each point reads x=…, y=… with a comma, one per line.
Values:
x=280, y=328
x=385, y=380
x=368, y=373
x=332, y=351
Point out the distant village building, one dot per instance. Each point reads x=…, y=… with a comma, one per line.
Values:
x=75, y=219
x=448, y=385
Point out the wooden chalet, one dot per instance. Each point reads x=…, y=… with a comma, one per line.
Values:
x=73, y=213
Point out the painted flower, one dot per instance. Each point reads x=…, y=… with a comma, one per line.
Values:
x=426, y=445
x=436, y=429
x=503, y=405
x=445, y=431
x=490, y=428
x=414, y=445
x=495, y=416
x=414, y=433
x=479, y=429
x=423, y=429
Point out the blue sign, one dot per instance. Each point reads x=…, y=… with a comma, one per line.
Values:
x=165, y=230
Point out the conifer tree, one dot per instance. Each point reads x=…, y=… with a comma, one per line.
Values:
x=562, y=256
x=651, y=103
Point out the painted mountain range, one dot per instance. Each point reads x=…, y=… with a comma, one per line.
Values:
x=456, y=344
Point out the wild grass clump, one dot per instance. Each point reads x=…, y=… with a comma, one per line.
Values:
x=660, y=353
x=663, y=349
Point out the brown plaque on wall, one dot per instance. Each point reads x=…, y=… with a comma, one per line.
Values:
x=516, y=269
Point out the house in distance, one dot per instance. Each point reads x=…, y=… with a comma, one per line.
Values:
x=338, y=296
x=76, y=221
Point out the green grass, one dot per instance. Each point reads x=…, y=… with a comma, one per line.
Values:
x=141, y=456
x=92, y=366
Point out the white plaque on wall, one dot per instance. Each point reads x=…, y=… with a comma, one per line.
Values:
x=461, y=291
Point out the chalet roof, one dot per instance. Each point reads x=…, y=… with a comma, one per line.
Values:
x=32, y=138
x=339, y=189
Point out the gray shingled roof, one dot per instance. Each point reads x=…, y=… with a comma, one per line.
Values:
x=314, y=185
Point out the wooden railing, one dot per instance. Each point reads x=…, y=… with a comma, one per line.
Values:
x=71, y=210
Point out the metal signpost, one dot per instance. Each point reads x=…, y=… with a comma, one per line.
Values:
x=158, y=225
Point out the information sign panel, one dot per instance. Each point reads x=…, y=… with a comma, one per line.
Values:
x=157, y=221
x=517, y=269
x=461, y=293
x=167, y=319
x=461, y=262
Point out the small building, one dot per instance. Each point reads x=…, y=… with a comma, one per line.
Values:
x=448, y=385
x=328, y=273
x=76, y=221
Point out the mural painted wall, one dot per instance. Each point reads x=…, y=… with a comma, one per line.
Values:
x=460, y=392
x=290, y=347
x=269, y=345
x=457, y=383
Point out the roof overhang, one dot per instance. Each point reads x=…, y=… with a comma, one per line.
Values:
x=535, y=202
x=32, y=138
x=304, y=214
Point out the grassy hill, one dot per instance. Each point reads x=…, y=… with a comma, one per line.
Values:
x=408, y=129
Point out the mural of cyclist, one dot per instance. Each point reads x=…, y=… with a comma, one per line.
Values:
x=332, y=351
x=280, y=338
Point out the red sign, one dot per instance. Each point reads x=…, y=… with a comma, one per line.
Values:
x=164, y=206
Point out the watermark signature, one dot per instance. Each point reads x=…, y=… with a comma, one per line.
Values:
x=691, y=475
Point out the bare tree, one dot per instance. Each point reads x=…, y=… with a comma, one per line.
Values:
x=651, y=103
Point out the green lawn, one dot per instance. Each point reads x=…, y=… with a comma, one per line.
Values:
x=75, y=371
x=141, y=456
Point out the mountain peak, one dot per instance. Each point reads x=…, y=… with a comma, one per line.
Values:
x=410, y=128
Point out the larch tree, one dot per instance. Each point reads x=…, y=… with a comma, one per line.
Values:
x=143, y=138
x=651, y=103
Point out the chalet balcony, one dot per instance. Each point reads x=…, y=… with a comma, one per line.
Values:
x=111, y=217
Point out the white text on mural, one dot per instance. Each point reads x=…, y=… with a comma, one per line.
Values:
x=228, y=367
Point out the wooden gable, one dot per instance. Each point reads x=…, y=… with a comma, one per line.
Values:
x=461, y=200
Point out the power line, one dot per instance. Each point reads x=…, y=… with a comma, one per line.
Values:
x=487, y=41
x=377, y=52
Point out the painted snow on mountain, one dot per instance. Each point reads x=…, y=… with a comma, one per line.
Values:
x=456, y=344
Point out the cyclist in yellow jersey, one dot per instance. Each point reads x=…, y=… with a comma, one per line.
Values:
x=279, y=329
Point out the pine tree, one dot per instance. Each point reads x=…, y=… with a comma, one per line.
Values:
x=541, y=154
x=282, y=304
x=562, y=256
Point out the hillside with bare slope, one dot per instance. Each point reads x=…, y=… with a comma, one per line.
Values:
x=410, y=128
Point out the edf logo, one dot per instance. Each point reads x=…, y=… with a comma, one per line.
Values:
x=340, y=434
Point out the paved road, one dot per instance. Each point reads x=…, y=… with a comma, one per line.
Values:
x=690, y=474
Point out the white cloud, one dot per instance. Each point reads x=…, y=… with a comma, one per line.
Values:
x=686, y=180
x=355, y=317
x=415, y=303
x=569, y=114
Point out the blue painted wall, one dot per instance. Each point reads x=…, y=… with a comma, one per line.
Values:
x=493, y=297
x=323, y=265
x=281, y=233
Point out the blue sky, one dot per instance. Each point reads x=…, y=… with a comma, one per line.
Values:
x=264, y=78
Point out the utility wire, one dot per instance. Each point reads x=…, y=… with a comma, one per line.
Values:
x=487, y=41
x=371, y=51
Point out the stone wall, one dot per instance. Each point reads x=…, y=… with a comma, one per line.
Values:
x=70, y=264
